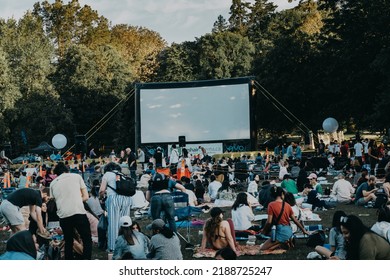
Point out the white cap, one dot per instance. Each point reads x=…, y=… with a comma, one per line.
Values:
x=125, y=221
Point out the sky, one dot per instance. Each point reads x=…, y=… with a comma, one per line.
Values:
x=175, y=20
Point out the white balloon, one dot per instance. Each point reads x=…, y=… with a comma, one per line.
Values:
x=330, y=125
x=59, y=141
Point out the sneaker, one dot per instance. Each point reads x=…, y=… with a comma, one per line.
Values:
x=314, y=256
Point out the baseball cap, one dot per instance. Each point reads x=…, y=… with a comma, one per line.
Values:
x=158, y=177
x=215, y=211
x=312, y=176
x=125, y=221
x=156, y=224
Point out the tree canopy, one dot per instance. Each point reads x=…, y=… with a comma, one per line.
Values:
x=64, y=67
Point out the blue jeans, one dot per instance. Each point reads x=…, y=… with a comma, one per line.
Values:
x=163, y=202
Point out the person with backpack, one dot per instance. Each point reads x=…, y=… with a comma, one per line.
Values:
x=160, y=198
x=116, y=205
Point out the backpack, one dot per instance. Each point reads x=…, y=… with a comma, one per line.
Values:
x=381, y=198
x=316, y=238
x=124, y=184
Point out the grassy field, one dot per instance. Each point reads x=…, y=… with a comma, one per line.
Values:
x=368, y=216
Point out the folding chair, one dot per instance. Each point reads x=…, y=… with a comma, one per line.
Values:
x=184, y=213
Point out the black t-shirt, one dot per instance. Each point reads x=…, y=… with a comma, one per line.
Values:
x=25, y=197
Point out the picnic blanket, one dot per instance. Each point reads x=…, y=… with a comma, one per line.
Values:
x=250, y=250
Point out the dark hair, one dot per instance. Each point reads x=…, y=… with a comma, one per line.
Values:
x=127, y=233
x=242, y=198
x=136, y=224
x=356, y=230
x=384, y=214
x=226, y=253
x=336, y=218
x=60, y=168
x=167, y=232
x=111, y=167
x=185, y=152
x=276, y=191
x=290, y=199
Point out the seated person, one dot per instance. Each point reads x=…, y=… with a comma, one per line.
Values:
x=21, y=246
x=242, y=214
x=218, y=233
x=366, y=192
x=314, y=198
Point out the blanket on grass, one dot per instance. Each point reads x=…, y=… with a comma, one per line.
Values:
x=250, y=250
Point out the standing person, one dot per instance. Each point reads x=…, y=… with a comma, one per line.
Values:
x=365, y=143
x=361, y=243
x=132, y=162
x=321, y=149
x=336, y=239
x=290, y=151
x=173, y=159
x=92, y=153
x=11, y=210
x=358, y=148
x=141, y=157
x=373, y=155
x=164, y=244
x=116, y=205
x=161, y=199
x=69, y=192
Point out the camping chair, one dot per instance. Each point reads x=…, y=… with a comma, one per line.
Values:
x=183, y=214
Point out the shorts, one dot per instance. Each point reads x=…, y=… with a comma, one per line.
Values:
x=283, y=233
x=361, y=202
x=11, y=213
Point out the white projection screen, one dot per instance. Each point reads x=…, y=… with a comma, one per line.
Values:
x=200, y=112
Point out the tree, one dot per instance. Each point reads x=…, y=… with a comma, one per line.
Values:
x=139, y=48
x=238, y=19
x=68, y=24
x=91, y=83
x=9, y=94
x=225, y=55
x=220, y=25
x=179, y=62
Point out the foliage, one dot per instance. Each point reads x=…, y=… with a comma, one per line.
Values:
x=63, y=67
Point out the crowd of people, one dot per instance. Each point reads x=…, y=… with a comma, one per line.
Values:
x=283, y=183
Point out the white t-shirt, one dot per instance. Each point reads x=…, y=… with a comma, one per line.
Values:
x=191, y=197
x=66, y=190
x=213, y=189
x=358, y=149
x=110, y=178
x=342, y=191
x=242, y=217
x=174, y=158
